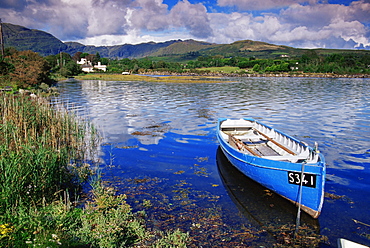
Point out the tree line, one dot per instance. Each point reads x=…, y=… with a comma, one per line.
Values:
x=24, y=69
x=310, y=62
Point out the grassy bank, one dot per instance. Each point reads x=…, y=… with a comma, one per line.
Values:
x=37, y=144
x=154, y=78
x=207, y=75
x=42, y=165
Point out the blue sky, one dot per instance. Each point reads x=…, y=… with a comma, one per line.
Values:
x=296, y=23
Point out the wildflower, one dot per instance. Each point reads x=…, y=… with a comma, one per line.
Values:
x=5, y=230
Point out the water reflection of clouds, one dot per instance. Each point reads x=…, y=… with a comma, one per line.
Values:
x=125, y=107
x=326, y=111
x=120, y=109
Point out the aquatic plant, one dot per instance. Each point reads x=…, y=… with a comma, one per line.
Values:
x=37, y=145
x=42, y=159
x=107, y=220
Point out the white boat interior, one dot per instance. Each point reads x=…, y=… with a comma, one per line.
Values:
x=259, y=140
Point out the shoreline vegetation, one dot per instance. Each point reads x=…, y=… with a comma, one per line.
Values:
x=209, y=77
x=219, y=73
x=45, y=158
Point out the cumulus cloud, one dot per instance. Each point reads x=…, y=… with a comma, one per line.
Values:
x=298, y=23
x=239, y=26
x=359, y=10
x=325, y=21
x=89, y=19
x=193, y=17
x=232, y=27
x=150, y=15
x=310, y=25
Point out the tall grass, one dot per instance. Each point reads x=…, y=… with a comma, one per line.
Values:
x=42, y=154
x=37, y=143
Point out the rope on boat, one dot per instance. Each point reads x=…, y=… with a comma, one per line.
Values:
x=298, y=219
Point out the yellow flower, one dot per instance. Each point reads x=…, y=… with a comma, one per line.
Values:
x=5, y=229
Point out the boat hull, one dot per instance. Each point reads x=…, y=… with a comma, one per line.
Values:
x=279, y=175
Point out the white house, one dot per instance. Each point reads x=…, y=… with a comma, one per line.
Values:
x=101, y=67
x=87, y=66
x=83, y=61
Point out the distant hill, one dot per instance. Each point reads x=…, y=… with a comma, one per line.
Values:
x=249, y=48
x=45, y=44
x=184, y=47
x=119, y=51
x=23, y=39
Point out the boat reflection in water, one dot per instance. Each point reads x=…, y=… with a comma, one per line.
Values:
x=259, y=205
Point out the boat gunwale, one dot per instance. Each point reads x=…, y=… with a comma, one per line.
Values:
x=284, y=165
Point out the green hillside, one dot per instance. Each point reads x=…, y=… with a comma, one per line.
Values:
x=184, y=47
x=24, y=39
x=119, y=51
x=172, y=51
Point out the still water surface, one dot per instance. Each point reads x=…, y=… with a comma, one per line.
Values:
x=160, y=148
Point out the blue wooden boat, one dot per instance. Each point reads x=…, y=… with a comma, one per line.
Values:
x=278, y=161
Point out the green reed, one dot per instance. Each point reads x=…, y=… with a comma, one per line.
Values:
x=37, y=144
x=43, y=150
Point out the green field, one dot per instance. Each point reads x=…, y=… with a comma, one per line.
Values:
x=166, y=79
x=224, y=69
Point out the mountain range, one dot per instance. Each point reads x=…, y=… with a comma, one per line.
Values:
x=23, y=38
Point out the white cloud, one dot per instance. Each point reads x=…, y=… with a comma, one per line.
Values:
x=317, y=25
x=359, y=10
x=132, y=37
x=193, y=17
x=149, y=15
x=325, y=21
x=298, y=23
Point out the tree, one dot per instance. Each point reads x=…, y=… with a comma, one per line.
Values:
x=91, y=58
x=83, y=55
x=70, y=69
x=309, y=56
x=30, y=69
x=5, y=68
x=104, y=61
x=256, y=67
x=334, y=58
x=77, y=56
x=97, y=57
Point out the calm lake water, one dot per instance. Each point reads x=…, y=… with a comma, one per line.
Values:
x=160, y=148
